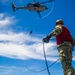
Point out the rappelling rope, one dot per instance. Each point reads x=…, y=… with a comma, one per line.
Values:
x=46, y=60
x=46, y=63
x=44, y=68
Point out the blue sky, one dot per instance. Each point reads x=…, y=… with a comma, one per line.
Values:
x=21, y=52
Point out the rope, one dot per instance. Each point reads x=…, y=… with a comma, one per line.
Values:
x=43, y=69
x=47, y=67
x=46, y=59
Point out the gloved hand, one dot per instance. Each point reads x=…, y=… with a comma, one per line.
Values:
x=46, y=39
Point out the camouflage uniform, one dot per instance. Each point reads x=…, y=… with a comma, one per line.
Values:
x=65, y=50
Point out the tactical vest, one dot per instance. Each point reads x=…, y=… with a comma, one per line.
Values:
x=63, y=36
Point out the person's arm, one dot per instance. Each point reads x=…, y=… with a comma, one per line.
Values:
x=56, y=31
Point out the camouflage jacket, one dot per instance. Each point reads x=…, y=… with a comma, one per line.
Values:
x=57, y=31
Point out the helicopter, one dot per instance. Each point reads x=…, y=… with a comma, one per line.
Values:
x=35, y=6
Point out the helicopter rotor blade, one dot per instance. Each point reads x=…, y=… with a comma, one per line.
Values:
x=47, y=1
x=39, y=14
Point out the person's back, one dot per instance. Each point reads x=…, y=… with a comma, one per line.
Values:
x=63, y=36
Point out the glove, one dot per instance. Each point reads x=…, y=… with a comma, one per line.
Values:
x=46, y=39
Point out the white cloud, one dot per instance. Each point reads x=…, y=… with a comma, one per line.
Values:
x=13, y=70
x=7, y=70
x=6, y=20
x=23, y=46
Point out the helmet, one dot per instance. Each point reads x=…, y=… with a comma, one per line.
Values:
x=59, y=22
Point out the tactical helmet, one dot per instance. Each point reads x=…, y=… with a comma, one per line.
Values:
x=59, y=22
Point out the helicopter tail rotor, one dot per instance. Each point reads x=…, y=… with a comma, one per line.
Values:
x=13, y=6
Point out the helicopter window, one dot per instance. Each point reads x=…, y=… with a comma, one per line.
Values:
x=36, y=5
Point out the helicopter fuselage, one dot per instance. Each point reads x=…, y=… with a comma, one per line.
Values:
x=34, y=7
x=37, y=8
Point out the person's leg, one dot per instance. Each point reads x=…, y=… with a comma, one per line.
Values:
x=65, y=53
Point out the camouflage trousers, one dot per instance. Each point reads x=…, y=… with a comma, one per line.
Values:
x=65, y=53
